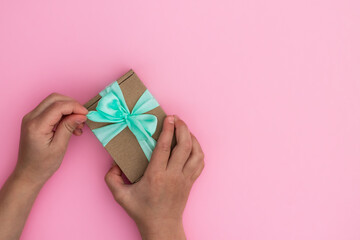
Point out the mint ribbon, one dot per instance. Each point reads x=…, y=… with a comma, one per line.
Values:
x=112, y=108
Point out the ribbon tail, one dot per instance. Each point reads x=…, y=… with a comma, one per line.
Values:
x=148, y=146
x=108, y=132
x=143, y=127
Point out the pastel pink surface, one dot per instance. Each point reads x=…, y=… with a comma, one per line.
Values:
x=270, y=88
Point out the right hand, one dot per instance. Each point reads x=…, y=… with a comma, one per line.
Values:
x=42, y=148
x=157, y=201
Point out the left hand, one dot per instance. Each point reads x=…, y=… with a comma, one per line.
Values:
x=45, y=133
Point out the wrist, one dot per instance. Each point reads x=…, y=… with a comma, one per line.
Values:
x=26, y=179
x=161, y=229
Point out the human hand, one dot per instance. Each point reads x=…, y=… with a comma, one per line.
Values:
x=45, y=133
x=157, y=201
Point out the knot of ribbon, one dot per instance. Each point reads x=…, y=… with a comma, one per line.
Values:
x=112, y=108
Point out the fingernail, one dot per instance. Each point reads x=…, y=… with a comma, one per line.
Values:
x=85, y=109
x=80, y=121
x=171, y=119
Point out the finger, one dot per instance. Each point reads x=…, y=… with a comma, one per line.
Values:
x=115, y=183
x=160, y=156
x=183, y=146
x=78, y=132
x=53, y=114
x=115, y=170
x=195, y=164
x=66, y=128
x=54, y=97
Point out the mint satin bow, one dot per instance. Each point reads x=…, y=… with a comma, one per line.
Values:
x=112, y=108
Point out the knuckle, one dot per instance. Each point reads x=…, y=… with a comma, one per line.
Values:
x=59, y=104
x=202, y=165
x=163, y=146
x=25, y=118
x=167, y=131
x=198, y=160
x=56, y=104
x=107, y=178
x=196, y=174
x=176, y=179
x=29, y=126
x=187, y=145
x=184, y=127
x=201, y=155
x=157, y=179
x=68, y=126
x=199, y=164
x=53, y=95
x=181, y=123
x=73, y=103
x=198, y=168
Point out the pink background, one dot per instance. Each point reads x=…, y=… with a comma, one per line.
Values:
x=270, y=88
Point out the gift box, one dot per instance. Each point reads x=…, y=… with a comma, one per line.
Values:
x=127, y=120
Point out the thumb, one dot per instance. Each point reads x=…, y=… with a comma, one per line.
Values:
x=116, y=184
x=66, y=127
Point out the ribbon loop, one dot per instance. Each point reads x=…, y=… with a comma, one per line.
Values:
x=112, y=108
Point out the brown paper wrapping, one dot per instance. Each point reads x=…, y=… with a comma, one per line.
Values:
x=124, y=148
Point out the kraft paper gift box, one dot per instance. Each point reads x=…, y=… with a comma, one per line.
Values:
x=125, y=148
